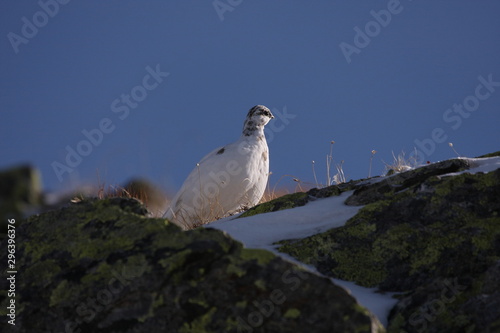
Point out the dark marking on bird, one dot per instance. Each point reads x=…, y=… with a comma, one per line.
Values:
x=221, y=151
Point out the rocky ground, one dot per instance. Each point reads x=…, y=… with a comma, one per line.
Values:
x=430, y=234
x=103, y=266
x=434, y=238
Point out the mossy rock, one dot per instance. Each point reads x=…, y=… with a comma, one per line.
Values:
x=103, y=266
x=458, y=304
x=403, y=241
x=496, y=154
x=415, y=236
x=284, y=202
x=395, y=183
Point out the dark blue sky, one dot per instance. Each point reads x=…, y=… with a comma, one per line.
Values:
x=334, y=70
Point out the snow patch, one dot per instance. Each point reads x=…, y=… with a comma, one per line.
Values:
x=262, y=230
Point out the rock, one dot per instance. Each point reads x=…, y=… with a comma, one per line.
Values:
x=451, y=305
x=398, y=182
x=20, y=193
x=285, y=202
x=496, y=154
x=393, y=239
x=103, y=266
x=418, y=232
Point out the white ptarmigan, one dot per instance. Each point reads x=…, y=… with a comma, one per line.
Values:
x=227, y=180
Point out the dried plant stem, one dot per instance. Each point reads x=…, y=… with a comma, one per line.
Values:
x=371, y=159
x=314, y=174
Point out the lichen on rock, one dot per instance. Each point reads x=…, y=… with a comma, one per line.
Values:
x=104, y=266
x=417, y=229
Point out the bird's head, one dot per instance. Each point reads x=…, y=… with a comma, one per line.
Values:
x=260, y=115
x=257, y=118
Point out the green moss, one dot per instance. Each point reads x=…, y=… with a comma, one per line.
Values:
x=132, y=267
x=171, y=242
x=304, y=250
x=292, y=313
x=430, y=254
x=137, y=265
x=360, y=230
x=235, y=269
x=157, y=302
x=241, y=304
x=263, y=257
x=487, y=231
x=232, y=324
x=442, y=189
x=397, y=241
x=361, y=309
x=199, y=299
x=396, y=324
x=445, y=187
x=486, y=180
x=60, y=293
x=200, y=323
x=360, y=265
x=175, y=261
x=285, y=202
x=330, y=191
x=366, y=213
x=87, y=241
x=490, y=155
x=261, y=284
x=35, y=250
x=44, y=272
x=101, y=271
x=96, y=248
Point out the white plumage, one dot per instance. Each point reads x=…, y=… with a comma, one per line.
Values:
x=229, y=179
